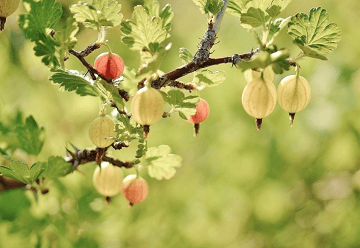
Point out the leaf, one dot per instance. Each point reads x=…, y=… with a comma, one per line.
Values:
x=186, y=106
x=314, y=34
x=161, y=163
x=143, y=30
x=101, y=13
x=277, y=25
x=21, y=171
x=130, y=83
x=57, y=167
x=152, y=65
x=72, y=80
x=31, y=136
x=66, y=36
x=112, y=93
x=208, y=78
x=185, y=55
x=127, y=129
x=263, y=59
x=209, y=6
x=254, y=18
x=42, y=17
x=274, y=10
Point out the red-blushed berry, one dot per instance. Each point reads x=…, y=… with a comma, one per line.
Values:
x=134, y=189
x=202, y=112
x=110, y=66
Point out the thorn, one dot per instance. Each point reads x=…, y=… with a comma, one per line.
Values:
x=292, y=117
x=73, y=146
x=258, y=124
x=146, y=130
x=70, y=153
x=196, y=127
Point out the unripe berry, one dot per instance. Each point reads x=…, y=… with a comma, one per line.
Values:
x=202, y=112
x=259, y=99
x=251, y=74
x=7, y=7
x=134, y=189
x=110, y=66
x=147, y=107
x=100, y=131
x=293, y=94
x=108, y=180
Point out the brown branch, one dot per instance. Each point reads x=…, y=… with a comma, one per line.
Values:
x=9, y=183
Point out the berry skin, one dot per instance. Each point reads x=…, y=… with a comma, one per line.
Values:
x=134, y=189
x=293, y=94
x=108, y=180
x=259, y=99
x=251, y=74
x=110, y=66
x=7, y=7
x=202, y=112
x=147, y=106
x=100, y=130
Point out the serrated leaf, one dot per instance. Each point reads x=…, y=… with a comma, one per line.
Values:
x=207, y=78
x=143, y=30
x=185, y=55
x=277, y=25
x=21, y=171
x=57, y=167
x=101, y=13
x=254, y=17
x=161, y=163
x=209, y=6
x=66, y=36
x=31, y=136
x=127, y=129
x=186, y=106
x=72, y=80
x=42, y=17
x=314, y=34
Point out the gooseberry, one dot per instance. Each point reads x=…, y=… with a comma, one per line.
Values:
x=268, y=74
x=259, y=99
x=294, y=94
x=107, y=179
x=134, y=189
x=101, y=130
x=147, y=107
x=7, y=7
x=110, y=66
x=202, y=113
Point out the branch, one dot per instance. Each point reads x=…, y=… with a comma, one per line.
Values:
x=220, y=16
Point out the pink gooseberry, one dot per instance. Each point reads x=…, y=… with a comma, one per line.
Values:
x=110, y=66
x=202, y=112
x=134, y=189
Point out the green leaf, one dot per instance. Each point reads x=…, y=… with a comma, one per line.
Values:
x=263, y=59
x=254, y=17
x=66, y=36
x=21, y=171
x=42, y=17
x=127, y=129
x=161, y=163
x=101, y=13
x=209, y=6
x=112, y=92
x=57, y=167
x=130, y=83
x=152, y=64
x=31, y=136
x=186, y=106
x=274, y=10
x=207, y=78
x=144, y=29
x=185, y=55
x=314, y=34
x=72, y=80
x=277, y=25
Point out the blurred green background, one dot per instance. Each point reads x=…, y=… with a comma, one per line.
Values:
x=281, y=187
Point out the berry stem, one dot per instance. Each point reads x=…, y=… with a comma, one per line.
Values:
x=2, y=23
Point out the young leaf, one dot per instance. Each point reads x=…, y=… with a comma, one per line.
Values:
x=186, y=106
x=152, y=64
x=66, y=37
x=31, y=136
x=72, y=80
x=143, y=30
x=161, y=163
x=209, y=6
x=21, y=171
x=127, y=129
x=42, y=17
x=208, y=78
x=254, y=17
x=101, y=13
x=57, y=167
x=185, y=55
x=314, y=34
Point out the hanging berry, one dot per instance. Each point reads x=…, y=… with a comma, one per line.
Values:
x=147, y=107
x=134, y=189
x=107, y=179
x=110, y=66
x=202, y=113
x=294, y=94
x=101, y=130
x=259, y=99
